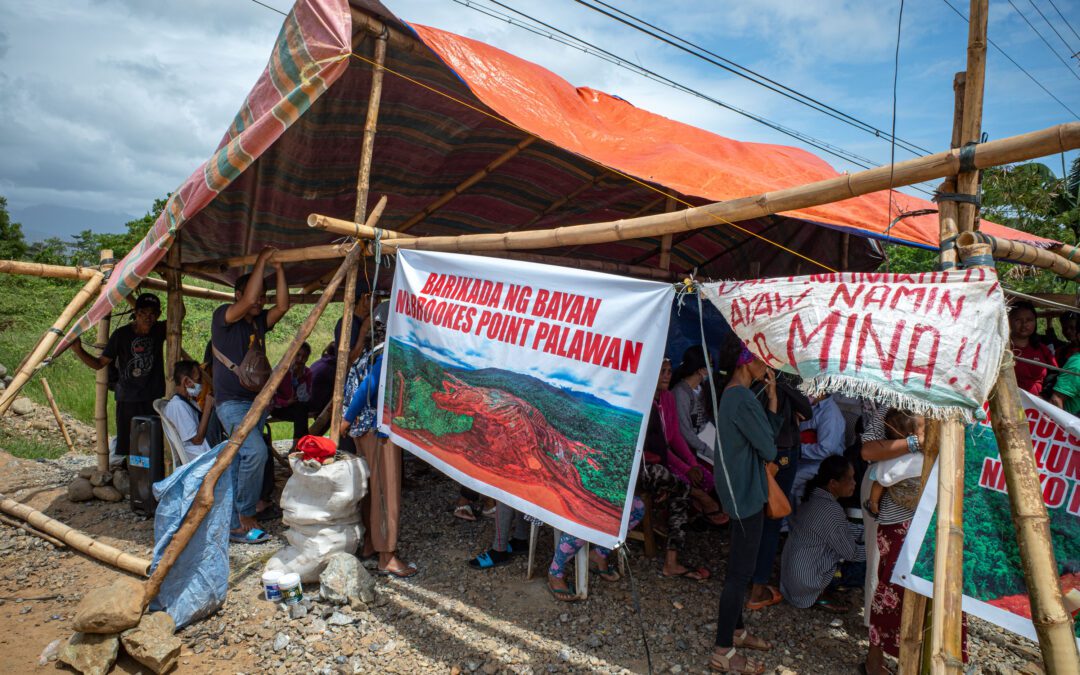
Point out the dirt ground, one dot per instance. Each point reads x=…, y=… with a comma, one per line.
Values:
x=448, y=619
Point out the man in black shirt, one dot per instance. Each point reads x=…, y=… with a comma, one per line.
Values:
x=234, y=330
x=137, y=349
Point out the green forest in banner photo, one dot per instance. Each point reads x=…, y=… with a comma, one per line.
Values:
x=518, y=427
x=992, y=570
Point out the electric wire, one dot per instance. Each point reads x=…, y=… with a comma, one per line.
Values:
x=1013, y=61
x=1044, y=40
x=615, y=59
x=1064, y=19
x=1068, y=49
x=749, y=74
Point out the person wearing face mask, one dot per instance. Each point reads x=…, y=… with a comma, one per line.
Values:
x=137, y=350
x=183, y=408
x=748, y=434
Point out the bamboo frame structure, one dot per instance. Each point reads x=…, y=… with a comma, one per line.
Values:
x=967, y=182
x=1006, y=249
x=464, y=185
x=204, y=498
x=30, y=269
x=1052, y=140
x=48, y=340
x=56, y=413
x=305, y=254
x=363, y=184
x=1067, y=251
x=77, y=540
x=101, y=378
x=174, y=320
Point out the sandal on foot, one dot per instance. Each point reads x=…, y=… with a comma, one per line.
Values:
x=607, y=574
x=832, y=606
x=750, y=641
x=700, y=574
x=490, y=558
x=405, y=572
x=465, y=512
x=252, y=536
x=724, y=518
x=563, y=594
x=723, y=664
x=774, y=599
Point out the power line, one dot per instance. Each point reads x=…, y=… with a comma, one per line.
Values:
x=1044, y=40
x=1068, y=49
x=589, y=48
x=736, y=69
x=1013, y=61
x=1064, y=19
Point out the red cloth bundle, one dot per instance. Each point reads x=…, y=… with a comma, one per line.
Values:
x=318, y=448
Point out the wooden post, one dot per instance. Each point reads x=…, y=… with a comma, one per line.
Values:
x=51, y=336
x=56, y=413
x=1052, y=623
x=363, y=184
x=174, y=319
x=665, y=240
x=967, y=182
x=101, y=378
x=204, y=498
x=946, y=631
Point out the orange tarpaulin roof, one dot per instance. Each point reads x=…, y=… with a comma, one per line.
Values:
x=653, y=148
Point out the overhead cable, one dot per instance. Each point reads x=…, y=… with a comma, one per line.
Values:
x=1044, y=40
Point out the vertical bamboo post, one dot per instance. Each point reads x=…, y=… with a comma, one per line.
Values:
x=101, y=379
x=945, y=633
x=56, y=413
x=51, y=336
x=363, y=184
x=967, y=182
x=1052, y=623
x=665, y=240
x=204, y=498
x=174, y=319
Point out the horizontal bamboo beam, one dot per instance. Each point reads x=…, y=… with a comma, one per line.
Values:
x=1053, y=140
x=304, y=254
x=1006, y=249
x=347, y=228
x=32, y=269
x=75, y=539
x=188, y=290
x=1060, y=301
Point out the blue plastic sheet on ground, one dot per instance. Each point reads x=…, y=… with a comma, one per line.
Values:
x=197, y=583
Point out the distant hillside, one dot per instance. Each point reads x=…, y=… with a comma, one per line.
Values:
x=41, y=221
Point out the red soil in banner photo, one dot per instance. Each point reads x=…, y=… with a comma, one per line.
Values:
x=1020, y=604
x=512, y=446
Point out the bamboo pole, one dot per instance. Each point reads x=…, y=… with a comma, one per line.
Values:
x=466, y=184
x=188, y=290
x=1014, y=251
x=967, y=182
x=75, y=539
x=101, y=379
x=316, y=285
x=946, y=630
x=1067, y=251
x=665, y=240
x=174, y=319
x=51, y=271
x=1052, y=623
x=363, y=185
x=1053, y=140
x=947, y=209
x=304, y=254
x=204, y=498
x=913, y=619
x=56, y=413
x=25, y=527
x=346, y=228
x=26, y=371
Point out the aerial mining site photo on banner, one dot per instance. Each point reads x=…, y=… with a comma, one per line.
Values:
x=528, y=383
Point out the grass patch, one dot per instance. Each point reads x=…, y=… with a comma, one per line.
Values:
x=29, y=305
x=21, y=446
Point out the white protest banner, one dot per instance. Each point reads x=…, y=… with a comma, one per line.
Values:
x=930, y=343
x=994, y=587
x=528, y=383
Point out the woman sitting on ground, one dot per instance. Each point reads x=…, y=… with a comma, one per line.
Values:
x=823, y=542
x=678, y=457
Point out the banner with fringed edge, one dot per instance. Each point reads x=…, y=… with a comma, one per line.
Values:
x=928, y=343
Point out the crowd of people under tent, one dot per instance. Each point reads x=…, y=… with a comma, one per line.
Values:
x=845, y=531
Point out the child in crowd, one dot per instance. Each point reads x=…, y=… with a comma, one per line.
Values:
x=898, y=425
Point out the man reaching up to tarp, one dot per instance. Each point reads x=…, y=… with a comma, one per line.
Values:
x=238, y=336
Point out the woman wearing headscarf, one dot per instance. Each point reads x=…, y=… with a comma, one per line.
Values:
x=747, y=441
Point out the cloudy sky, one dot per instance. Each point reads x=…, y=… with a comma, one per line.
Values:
x=107, y=104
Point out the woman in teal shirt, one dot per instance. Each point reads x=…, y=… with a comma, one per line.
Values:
x=747, y=432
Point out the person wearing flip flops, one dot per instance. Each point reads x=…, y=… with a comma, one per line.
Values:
x=567, y=548
x=747, y=441
x=823, y=541
x=235, y=329
x=504, y=546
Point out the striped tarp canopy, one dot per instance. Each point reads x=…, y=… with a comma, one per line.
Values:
x=450, y=107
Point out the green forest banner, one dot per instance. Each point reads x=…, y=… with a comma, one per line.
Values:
x=994, y=587
x=529, y=383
